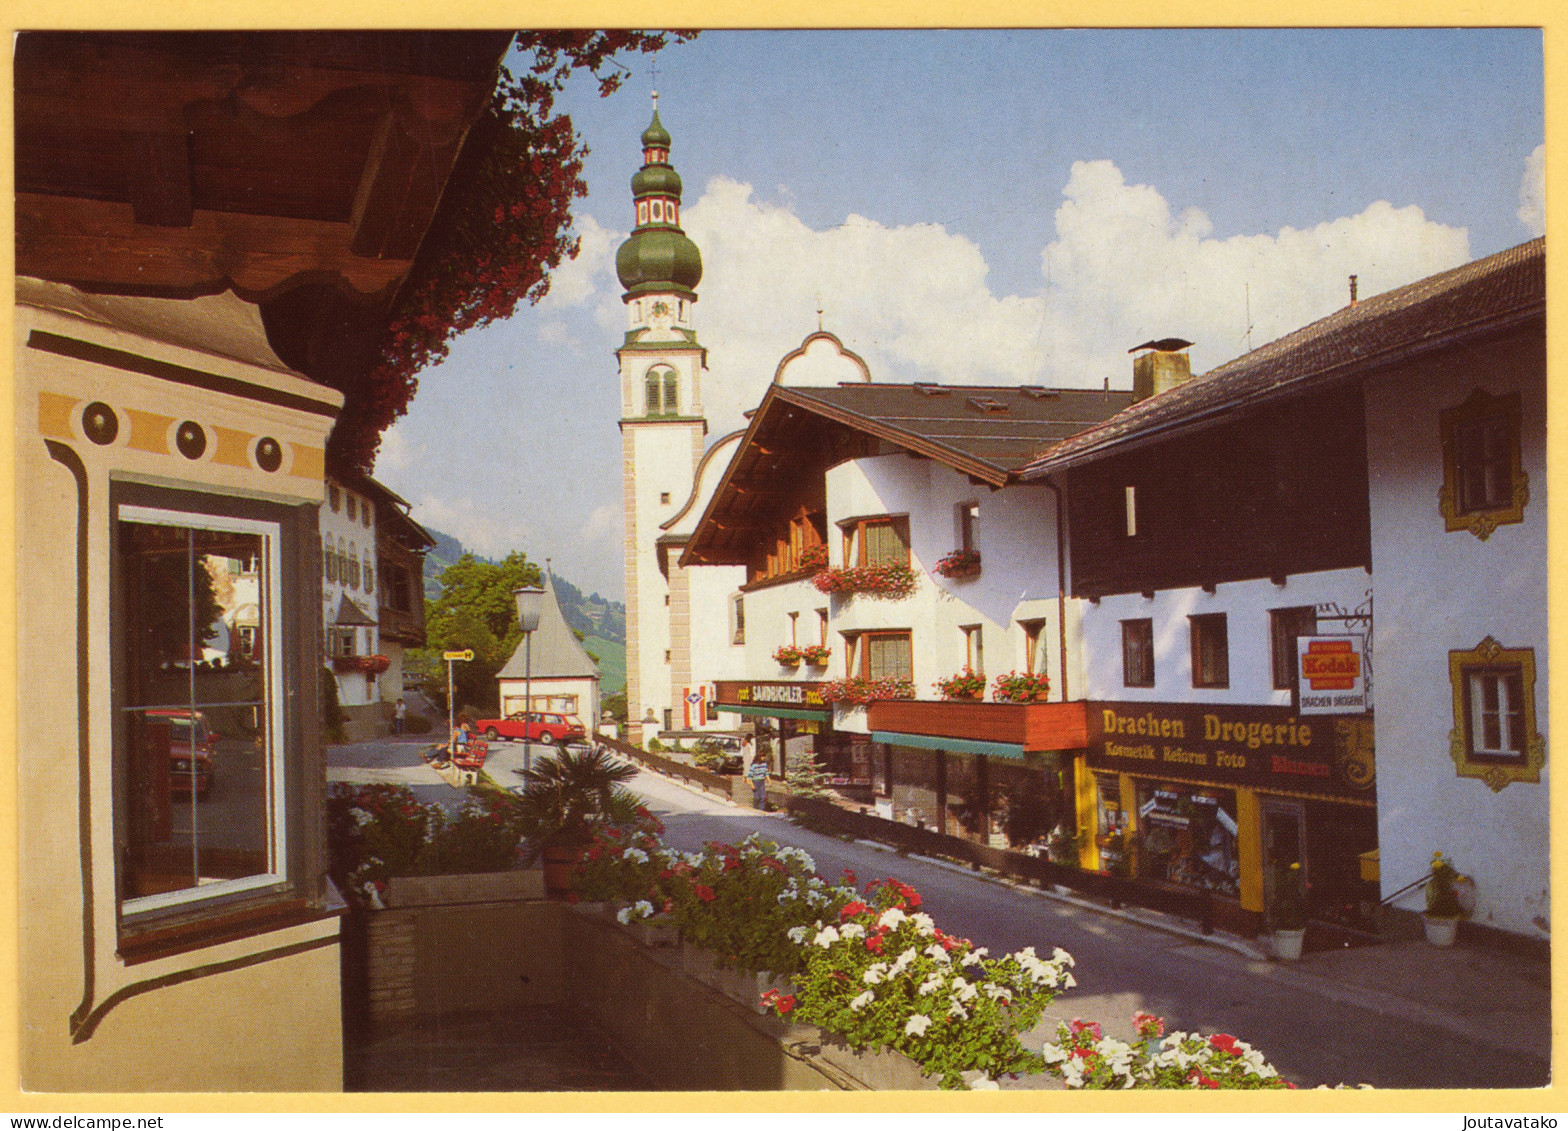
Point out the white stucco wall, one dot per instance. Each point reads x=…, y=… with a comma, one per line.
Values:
x=1016, y=536
x=1439, y=591
x=1246, y=606
x=586, y=690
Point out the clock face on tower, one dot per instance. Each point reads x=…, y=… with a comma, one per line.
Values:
x=660, y=318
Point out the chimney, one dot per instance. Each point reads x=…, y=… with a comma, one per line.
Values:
x=1352, y=290
x=1163, y=367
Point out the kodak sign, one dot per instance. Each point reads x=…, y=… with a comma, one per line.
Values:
x=1333, y=675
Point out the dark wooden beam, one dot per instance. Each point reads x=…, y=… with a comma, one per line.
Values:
x=158, y=177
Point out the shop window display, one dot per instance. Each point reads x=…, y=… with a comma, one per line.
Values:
x=1187, y=836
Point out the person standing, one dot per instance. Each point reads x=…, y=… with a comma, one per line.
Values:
x=399, y=715
x=756, y=773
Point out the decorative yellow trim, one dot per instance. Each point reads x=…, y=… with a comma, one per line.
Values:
x=1088, y=815
x=1482, y=523
x=149, y=431
x=1249, y=849
x=55, y=411
x=308, y=463
x=233, y=447
x=1496, y=774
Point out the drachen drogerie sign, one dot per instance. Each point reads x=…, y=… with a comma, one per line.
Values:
x=1263, y=747
x=781, y=693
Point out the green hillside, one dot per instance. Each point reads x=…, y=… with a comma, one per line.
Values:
x=612, y=663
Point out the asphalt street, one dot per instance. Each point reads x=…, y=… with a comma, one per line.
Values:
x=1315, y=1029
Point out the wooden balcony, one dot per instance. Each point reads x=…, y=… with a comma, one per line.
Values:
x=1033, y=726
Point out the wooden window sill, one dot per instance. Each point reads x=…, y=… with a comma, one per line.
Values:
x=218, y=927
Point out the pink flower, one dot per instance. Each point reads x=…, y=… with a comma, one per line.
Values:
x=1079, y=1025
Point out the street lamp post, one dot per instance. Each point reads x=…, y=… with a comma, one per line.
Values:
x=529, y=600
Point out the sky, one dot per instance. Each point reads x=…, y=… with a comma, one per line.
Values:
x=977, y=207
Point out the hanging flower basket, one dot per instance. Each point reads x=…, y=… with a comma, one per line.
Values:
x=967, y=684
x=1021, y=687
x=370, y=665
x=893, y=581
x=816, y=655
x=788, y=656
x=958, y=565
x=857, y=692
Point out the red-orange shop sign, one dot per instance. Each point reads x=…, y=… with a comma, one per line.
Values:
x=1261, y=747
x=779, y=693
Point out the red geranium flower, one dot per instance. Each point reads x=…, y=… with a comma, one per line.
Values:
x=704, y=892
x=786, y=1003
x=853, y=907
x=874, y=944
x=1224, y=1042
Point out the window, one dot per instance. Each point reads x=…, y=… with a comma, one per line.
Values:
x=661, y=392
x=1138, y=652
x=328, y=569
x=351, y=564
x=1285, y=625
x=822, y=627
x=664, y=498
x=343, y=641
x=671, y=393
x=794, y=630
x=201, y=791
x=335, y=497
x=365, y=513
x=968, y=518
x=974, y=649
x=396, y=589
x=669, y=719
x=738, y=619
x=352, y=506
x=885, y=655
x=1210, y=651
x=1484, y=484
x=1494, y=736
x=370, y=576
x=877, y=541
x=642, y=212
x=1034, y=647
x=652, y=395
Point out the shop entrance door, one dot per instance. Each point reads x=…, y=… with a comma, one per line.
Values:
x=1284, y=836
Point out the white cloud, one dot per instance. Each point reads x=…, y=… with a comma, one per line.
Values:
x=575, y=281
x=603, y=524
x=1532, y=192
x=1122, y=268
x=397, y=451
x=476, y=524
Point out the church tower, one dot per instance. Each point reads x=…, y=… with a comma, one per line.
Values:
x=663, y=431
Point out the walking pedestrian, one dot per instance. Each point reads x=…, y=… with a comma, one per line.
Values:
x=399, y=716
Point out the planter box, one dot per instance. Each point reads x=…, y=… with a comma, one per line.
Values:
x=1287, y=944
x=743, y=986
x=880, y=1071
x=478, y=887
x=659, y=931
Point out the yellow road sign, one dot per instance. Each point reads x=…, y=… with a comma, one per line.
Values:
x=465, y=654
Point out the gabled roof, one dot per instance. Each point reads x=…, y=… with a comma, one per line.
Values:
x=557, y=653
x=987, y=432
x=1478, y=299
x=350, y=613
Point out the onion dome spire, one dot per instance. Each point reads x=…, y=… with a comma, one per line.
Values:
x=658, y=257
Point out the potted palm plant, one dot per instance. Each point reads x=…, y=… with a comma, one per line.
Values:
x=563, y=799
x=1288, y=911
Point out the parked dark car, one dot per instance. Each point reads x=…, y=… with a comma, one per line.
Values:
x=186, y=746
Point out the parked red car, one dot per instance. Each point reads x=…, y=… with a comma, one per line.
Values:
x=542, y=726
x=182, y=749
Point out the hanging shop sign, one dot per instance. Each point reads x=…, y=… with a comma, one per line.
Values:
x=1260, y=747
x=780, y=698
x=1333, y=675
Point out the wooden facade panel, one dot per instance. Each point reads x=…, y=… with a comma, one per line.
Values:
x=1280, y=491
x=1034, y=726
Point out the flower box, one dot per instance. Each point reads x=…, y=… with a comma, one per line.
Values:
x=787, y=656
x=660, y=931
x=370, y=665
x=893, y=581
x=966, y=684
x=959, y=565
x=816, y=655
x=474, y=887
x=884, y=1070
x=857, y=692
x=1021, y=687
x=743, y=986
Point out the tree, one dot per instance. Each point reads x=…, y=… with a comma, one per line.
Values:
x=502, y=228
x=476, y=609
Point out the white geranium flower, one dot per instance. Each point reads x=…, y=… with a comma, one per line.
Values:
x=862, y=1001
x=891, y=918
x=917, y=1025
x=635, y=855
x=1053, y=1053
x=1061, y=957
x=957, y=1011
x=923, y=923
x=797, y=935
x=931, y=985
x=965, y=990
x=984, y=1083
x=851, y=931
x=875, y=973
x=937, y=954
x=826, y=937
x=901, y=963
